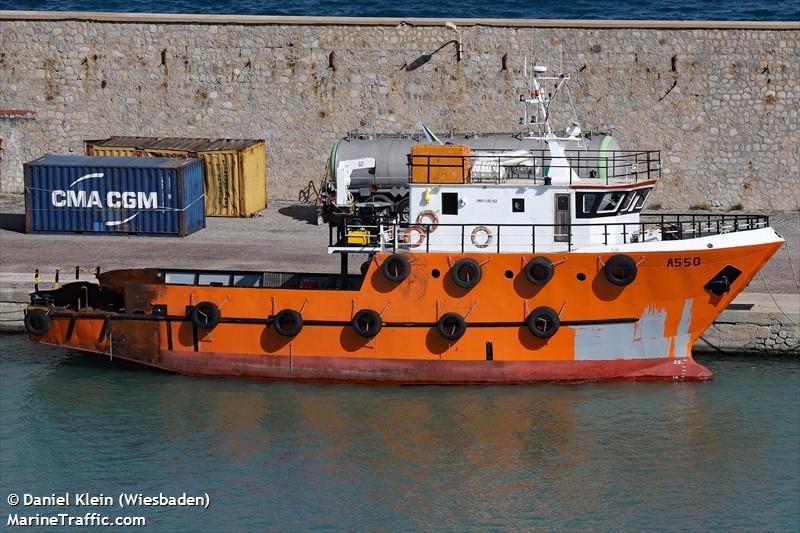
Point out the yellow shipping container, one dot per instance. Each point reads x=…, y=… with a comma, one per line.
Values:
x=235, y=169
x=119, y=146
x=434, y=163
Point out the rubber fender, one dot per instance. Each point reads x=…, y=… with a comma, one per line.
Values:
x=466, y=273
x=451, y=326
x=205, y=315
x=288, y=322
x=396, y=268
x=620, y=270
x=539, y=270
x=367, y=323
x=543, y=322
x=37, y=322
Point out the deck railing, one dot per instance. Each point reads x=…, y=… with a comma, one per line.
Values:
x=489, y=166
x=388, y=234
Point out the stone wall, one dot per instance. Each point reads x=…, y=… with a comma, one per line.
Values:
x=721, y=103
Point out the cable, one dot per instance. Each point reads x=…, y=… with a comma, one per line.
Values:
x=790, y=319
x=717, y=348
x=791, y=266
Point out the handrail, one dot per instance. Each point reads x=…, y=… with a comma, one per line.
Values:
x=384, y=232
x=487, y=165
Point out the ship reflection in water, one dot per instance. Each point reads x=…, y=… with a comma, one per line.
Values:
x=676, y=456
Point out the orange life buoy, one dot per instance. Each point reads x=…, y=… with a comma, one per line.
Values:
x=432, y=215
x=487, y=240
x=413, y=236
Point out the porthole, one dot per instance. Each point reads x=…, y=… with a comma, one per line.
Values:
x=435, y=273
x=509, y=274
x=581, y=276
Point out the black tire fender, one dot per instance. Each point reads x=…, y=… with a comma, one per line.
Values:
x=396, y=268
x=539, y=271
x=620, y=270
x=466, y=273
x=288, y=322
x=451, y=326
x=37, y=322
x=205, y=315
x=367, y=323
x=543, y=322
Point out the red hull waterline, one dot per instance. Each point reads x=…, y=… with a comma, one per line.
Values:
x=416, y=372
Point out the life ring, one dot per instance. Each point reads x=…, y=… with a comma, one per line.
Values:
x=205, y=315
x=539, y=270
x=288, y=322
x=543, y=322
x=620, y=270
x=466, y=273
x=37, y=322
x=367, y=323
x=451, y=326
x=410, y=240
x=432, y=215
x=396, y=268
x=488, y=239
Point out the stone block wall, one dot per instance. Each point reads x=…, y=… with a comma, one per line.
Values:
x=721, y=103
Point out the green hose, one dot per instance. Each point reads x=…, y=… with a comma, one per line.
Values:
x=603, y=156
x=332, y=163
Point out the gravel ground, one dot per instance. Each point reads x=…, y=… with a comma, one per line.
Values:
x=282, y=237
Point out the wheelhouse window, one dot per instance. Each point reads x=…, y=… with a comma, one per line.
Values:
x=610, y=202
x=588, y=203
x=599, y=204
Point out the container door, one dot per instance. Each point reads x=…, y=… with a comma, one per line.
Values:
x=562, y=218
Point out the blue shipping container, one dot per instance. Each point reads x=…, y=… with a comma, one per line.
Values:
x=142, y=195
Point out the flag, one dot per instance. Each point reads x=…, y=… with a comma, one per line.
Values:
x=432, y=138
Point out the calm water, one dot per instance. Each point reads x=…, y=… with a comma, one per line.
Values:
x=581, y=9
x=711, y=456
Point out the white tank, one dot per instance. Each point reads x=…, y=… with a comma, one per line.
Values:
x=391, y=155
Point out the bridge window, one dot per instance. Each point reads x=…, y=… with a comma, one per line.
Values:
x=610, y=202
x=599, y=204
x=588, y=203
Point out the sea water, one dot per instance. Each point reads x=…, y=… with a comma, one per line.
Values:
x=532, y=9
x=716, y=456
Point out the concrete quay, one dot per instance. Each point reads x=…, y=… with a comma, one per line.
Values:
x=285, y=237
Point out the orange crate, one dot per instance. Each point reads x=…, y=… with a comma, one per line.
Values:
x=435, y=163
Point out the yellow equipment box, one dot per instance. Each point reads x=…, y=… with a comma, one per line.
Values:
x=358, y=236
x=435, y=163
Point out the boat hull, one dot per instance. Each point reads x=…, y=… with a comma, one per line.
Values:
x=642, y=331
x=419, y=372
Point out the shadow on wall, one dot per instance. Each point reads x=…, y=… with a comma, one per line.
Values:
x=12, y=222
x=424, y=58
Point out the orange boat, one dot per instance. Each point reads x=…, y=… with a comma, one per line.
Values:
x=515, y=267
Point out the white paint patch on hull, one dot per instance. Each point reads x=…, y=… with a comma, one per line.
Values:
x=644, y=339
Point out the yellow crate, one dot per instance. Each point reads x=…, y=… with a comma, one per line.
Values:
x=433, y=163
x=358, y=236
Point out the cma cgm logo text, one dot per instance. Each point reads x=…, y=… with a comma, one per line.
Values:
x=113, y=199
x=125, y=200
